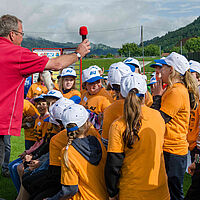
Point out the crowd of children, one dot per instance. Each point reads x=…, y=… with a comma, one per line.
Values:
x=114, y=141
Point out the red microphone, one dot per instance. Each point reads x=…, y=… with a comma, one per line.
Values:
x=83, y=32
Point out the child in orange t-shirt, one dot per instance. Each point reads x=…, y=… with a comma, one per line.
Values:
x=135, y=164
x=36, y=89
x=82, y=160
x=30, y=113
x=115, y=110
x=174, y=105
x=67, y=83
x=96, y=99
x=193, y=133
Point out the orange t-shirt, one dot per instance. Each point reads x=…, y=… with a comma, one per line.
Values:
x=97, y=102
x=193, y=128
x=148, y=99
x=113, y=94
x=110, y=114
x=89, y=178
x=143, y=174
x=175, y=103
x=59, y=141
x=83, y=91
x=40, y=127
x=36, y=90
x=29, y=110
x=71, y=93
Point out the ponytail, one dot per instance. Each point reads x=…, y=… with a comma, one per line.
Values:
x=190, y=83
x=132, y=115
x=192, y=86
x=73, y=135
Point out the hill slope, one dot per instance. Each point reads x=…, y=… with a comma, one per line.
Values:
x=173, y=38
x=97, y=49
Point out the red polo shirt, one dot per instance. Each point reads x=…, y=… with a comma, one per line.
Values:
x=16, y=63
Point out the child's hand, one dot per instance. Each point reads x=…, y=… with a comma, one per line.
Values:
x=22, y=155
x=34, y=164
x=157, y=88
x=116, y=197
x=191, y=169
x=28, y=157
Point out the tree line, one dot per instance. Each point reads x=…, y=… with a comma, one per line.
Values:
x=132, y=49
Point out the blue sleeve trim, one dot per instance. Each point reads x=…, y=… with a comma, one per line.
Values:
x=47, y=119
x=76, y=99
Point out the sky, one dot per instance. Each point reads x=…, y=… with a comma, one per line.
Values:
x=110, y=22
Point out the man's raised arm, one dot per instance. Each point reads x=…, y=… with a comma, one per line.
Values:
x=64, y=61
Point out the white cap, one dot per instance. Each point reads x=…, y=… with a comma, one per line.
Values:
x=75, y=114
x=178, y=61
x=194, y=66
x=91, y=75
x=54, y=93
x=133, y=80
x=132, y=62
x=56, y=110
x=145, y=77
x=116, y=71
x=84, y=75
x=95, y=67
x=152, y=80
x=68, y=72
x=153, y=74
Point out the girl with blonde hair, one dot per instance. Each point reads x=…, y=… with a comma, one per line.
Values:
x=174, y=105
x=67, y=85
x=82, y=160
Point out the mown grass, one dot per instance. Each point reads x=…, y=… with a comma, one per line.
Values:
x=106, y=62
x=7, y=189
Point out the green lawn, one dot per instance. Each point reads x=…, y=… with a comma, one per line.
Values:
x=106, y=62
x=7, y=189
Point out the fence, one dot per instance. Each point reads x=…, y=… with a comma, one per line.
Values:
x=193, y=56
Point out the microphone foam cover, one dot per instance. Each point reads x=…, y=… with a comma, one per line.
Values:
x=83, y=30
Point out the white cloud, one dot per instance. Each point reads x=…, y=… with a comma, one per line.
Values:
x=112, y=22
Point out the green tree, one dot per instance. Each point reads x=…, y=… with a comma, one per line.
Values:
x=109, y=55
x=130, y=49
x=152, y=50
x=193, y=45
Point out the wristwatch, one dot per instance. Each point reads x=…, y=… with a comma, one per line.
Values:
x=78, y=55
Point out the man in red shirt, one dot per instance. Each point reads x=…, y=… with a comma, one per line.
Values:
x=17, y=63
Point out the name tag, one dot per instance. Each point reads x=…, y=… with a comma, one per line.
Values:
x=39, y=123
x=85, y=99
x=38, y=88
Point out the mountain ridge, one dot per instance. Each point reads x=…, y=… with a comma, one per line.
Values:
x=96, y=49
x=173, y=38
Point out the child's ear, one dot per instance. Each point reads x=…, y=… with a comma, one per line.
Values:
x=171, y=69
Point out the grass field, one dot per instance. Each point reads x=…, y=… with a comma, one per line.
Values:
x=7, y=190
x=106, y=62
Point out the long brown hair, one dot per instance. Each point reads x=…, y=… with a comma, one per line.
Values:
x=132, y=116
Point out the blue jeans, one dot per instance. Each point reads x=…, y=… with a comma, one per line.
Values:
x=175, y=168
x=2, y=150
x=6, y=139
x=14, y=174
